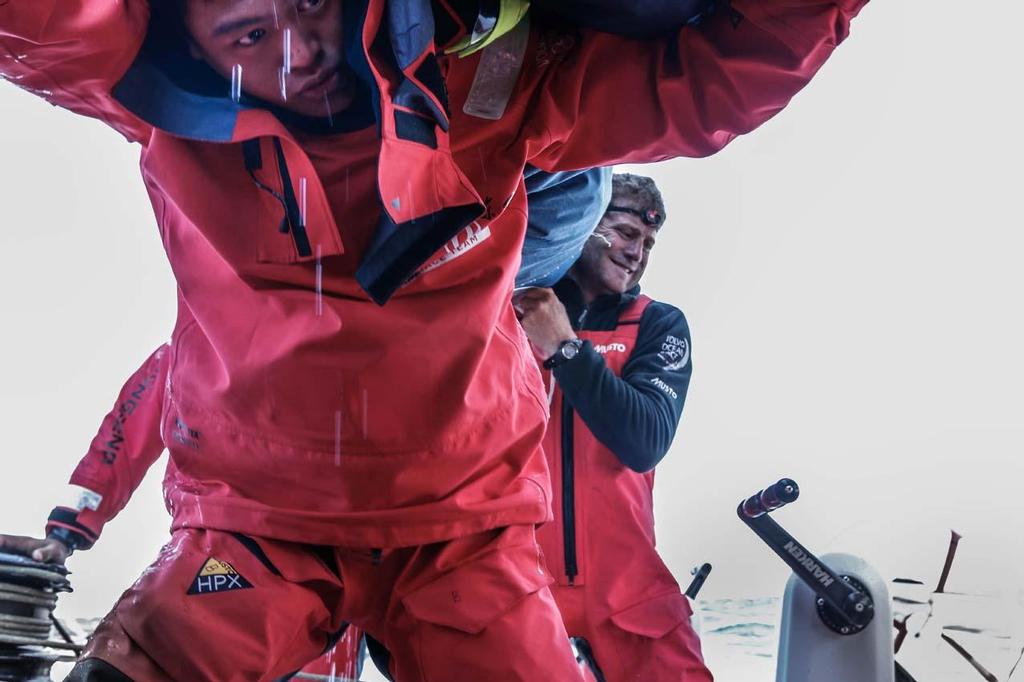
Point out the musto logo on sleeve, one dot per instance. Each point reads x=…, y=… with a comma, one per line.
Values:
x=217, y=576
x=675, y=352
x=605, y=348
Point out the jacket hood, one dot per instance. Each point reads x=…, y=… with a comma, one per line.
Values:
x=391, y=47
x=172, y=90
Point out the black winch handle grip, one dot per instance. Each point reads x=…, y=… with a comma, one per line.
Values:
x=770, y=499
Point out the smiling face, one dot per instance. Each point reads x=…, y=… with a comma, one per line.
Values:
x=287, y=52
x=615, y=256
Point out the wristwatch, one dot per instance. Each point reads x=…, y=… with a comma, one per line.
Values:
x=566, y=352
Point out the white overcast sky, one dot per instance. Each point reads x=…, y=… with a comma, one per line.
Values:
x=851, y=273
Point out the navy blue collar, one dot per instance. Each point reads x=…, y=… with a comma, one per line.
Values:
x=602, y=311
x=169, y=89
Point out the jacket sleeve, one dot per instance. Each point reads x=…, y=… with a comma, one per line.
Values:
x=615, y=100
x=127, y=444
x=636, y=18
x=635, y=416
x=73, y=52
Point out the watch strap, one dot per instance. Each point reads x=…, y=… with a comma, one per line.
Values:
x=559, y=357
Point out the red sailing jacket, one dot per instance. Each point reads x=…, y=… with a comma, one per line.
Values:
x=124, y=448
x=603, y=533
x=296, y=407
x=615, y=409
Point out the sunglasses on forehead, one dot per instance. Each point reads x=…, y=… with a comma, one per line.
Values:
x=651, y=216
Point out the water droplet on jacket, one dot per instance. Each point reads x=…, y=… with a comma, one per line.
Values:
x=365, y=415
x=286, y=49
x=483, y=165
x=330, y=114
x=337, y=438
x=236, y=83
x=319, y=283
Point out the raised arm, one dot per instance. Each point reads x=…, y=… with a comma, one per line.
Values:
x=613, y=99
x=127, y=444
x=73, y=52
x=644, y=19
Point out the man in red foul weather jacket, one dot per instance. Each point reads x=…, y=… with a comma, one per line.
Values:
x=129, y=440
x=352, y=411
x=620, y=366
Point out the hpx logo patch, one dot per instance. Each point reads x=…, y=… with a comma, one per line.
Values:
x=217, y=576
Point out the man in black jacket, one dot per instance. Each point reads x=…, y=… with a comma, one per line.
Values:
x=619, y=369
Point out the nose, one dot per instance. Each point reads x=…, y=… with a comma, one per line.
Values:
x=301, y=48
x=633, y=249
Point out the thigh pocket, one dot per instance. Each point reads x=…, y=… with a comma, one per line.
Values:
x=475, y=594
x=654, y=618
x=210, y=608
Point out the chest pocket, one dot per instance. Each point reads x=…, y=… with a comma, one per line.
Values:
x=300, y=227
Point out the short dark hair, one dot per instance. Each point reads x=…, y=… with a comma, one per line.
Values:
x=640, y=191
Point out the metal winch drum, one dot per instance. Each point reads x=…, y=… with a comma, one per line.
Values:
x=28, y=595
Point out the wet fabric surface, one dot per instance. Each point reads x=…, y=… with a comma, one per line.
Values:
x=214, y=608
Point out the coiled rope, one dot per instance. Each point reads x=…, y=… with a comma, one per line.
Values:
x=28, y=595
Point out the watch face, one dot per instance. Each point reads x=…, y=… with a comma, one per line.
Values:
x=569, y=350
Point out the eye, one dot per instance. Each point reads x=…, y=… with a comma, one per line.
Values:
x=311, y=5
x=251, y=38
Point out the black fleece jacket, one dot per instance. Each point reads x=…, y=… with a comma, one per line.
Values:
x=635, y=415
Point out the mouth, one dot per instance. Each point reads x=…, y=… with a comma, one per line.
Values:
x=624, y=267
x=322, y=83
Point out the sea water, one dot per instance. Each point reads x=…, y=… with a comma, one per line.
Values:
x=740, y=636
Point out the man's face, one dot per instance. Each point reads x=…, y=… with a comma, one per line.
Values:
x=615, y=256
x=311, y=78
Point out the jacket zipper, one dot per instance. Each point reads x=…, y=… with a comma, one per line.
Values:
x=569, y=483
x=293, y=220
x=568, y=493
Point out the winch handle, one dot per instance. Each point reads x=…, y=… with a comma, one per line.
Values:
x=842, y=606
